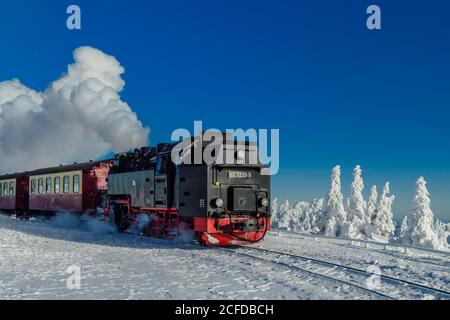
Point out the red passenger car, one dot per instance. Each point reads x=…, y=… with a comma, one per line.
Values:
x=71, y=188
x=14, y=193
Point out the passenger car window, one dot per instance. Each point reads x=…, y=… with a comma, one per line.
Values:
x=57, y=184
x=5, y=188
x=76, y=184
x=66, y=182
x=48, y=185
x=33, y=186
x=41, y=186
x=11, y=188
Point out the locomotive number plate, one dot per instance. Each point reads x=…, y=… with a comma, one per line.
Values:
x=239, y=174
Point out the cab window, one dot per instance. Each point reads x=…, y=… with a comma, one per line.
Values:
x=41, y=186
x=66, y=182
x=57, y=184
x=161, y=165
x=76, y=184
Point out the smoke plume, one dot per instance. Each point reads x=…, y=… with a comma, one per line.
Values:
x=78, y=117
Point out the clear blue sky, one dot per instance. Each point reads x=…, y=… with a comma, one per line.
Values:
x=339, y=93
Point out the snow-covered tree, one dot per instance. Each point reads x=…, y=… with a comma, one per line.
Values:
x=284, y=216
x=383, y=224
x=372, y=203
x=442, y=233
x=371, y=210
x=356, y=213
x=291, y=218
x=335, y=211
x=421, y=225
x=317, y=218
x=302, y=218
x=306, y=221
x=404, y=228
x=274, y=213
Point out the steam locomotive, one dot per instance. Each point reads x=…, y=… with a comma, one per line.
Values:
x=220, y=202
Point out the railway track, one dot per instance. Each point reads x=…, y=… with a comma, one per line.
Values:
x=372, y=244
x=348, y=270
x=391, y=250
x=313, y=273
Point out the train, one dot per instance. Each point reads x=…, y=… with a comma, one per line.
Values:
x=219, y=203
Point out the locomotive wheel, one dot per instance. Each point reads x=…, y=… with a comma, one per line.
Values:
x=121, y=218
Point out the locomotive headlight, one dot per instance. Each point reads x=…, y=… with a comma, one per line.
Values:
x=218, y=203
x=240, y=155
x=264, y=202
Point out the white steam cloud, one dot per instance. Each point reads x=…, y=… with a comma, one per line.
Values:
x=78, y=117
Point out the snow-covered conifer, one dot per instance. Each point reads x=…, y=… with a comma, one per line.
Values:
x=356, y=214
x=317, y=218
x=335, y=211
x=442, y=234
x=284, y=216
x=372, y=203
x=274, y=213
x=301, y=217
x=371, y=210
x=383, y=224
x=404, y=228
x=421, y=225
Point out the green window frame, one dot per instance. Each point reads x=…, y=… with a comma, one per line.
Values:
x=76, y=184
x=66, y=184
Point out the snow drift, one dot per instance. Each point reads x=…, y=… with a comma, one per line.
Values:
x=78, y=117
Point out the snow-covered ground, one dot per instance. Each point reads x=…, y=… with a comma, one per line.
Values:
x=35, y=257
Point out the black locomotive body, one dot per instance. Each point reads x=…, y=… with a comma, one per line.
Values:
x=224, y=201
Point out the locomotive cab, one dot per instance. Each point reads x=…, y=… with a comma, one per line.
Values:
x=229, y=202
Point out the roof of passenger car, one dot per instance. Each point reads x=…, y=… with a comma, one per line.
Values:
x=86, y=166
x=11, y=176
